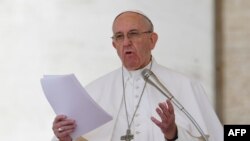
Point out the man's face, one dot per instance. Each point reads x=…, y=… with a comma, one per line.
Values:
x=133, y=40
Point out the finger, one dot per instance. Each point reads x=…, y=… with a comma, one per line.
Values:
x=165, y=109
x=66, y=122
x=64, y=130
x=62, y=124
x=161, y=114
x=59, y=118
x=157, y=122
x=64, y=133
x=170, y=107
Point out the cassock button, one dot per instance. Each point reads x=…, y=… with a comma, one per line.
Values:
x=137, y=132
x=138, y=124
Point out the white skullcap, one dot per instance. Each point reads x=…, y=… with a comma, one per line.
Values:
x=138, y=12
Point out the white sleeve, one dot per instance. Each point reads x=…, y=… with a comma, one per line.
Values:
x=78, y=139
x=183, y=135
x=54, y=138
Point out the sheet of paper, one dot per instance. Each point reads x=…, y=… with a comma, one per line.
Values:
x=66, y=96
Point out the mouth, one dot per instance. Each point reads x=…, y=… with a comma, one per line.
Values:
x=128, y=52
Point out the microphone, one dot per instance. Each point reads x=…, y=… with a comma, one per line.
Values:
x=151, y=78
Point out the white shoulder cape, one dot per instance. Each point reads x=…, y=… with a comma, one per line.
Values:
x=107, y=92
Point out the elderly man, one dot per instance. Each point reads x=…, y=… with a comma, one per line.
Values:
x=140, y=112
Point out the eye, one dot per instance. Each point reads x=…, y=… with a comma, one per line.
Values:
x=133, y=34
x=119, y=36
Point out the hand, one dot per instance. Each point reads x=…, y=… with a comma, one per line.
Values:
x=167, y=123
x=63, y=127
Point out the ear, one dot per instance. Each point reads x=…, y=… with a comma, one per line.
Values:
x=113, y=43
x=154, y=38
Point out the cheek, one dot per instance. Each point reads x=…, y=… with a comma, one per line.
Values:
x=144, y=52
x=119, y=52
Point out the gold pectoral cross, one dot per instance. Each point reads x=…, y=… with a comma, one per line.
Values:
x=128, y=136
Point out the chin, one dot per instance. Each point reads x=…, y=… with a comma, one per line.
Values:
x=129, y=67
x=131, y=64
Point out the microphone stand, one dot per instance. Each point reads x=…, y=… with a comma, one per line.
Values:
x=146, y=74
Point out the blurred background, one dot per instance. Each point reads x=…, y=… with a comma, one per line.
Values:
x=204, y=39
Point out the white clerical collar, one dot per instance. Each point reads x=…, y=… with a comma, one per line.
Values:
x=135, y=74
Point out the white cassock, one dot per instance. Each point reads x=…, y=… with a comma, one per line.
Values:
x=107, y=91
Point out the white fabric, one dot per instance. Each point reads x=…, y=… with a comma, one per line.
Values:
x=107, y=91
x=142, y=126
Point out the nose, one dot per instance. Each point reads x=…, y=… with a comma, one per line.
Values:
x=126, y=41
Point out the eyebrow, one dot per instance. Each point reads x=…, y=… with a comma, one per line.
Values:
x=133, y=30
